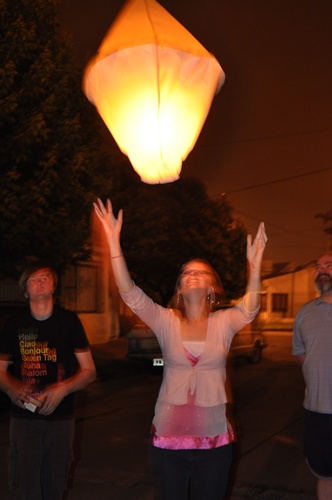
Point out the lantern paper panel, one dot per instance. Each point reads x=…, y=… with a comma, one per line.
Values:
x=153, y=84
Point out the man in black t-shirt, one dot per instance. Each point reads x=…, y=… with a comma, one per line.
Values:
x=44, y=358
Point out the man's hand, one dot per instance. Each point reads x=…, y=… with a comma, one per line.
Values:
x=19, y=395
x=51, y=397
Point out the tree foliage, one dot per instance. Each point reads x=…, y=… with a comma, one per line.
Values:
x=167, y=225
x=50, y=172
x=47, y=140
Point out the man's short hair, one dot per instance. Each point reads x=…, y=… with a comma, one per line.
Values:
x=32, y=268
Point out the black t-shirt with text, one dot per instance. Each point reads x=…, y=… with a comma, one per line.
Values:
x=42, y=353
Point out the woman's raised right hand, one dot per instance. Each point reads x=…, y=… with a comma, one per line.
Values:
x=111, y=225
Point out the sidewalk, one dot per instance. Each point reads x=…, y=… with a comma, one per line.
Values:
x=272, y=470
x=262, y=474
x=113, y=349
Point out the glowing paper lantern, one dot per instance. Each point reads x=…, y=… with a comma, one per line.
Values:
x=153, y=84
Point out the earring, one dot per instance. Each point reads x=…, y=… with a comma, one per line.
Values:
x=211, y=298
x=178, y=300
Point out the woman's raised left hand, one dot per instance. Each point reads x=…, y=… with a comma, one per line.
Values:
x=256, y=247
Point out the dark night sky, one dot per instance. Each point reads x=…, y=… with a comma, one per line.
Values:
x=267, y=141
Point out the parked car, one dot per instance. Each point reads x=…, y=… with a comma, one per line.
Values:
x=143, y=345
x=248, y=343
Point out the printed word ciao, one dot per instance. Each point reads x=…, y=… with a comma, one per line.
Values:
x=34, y=351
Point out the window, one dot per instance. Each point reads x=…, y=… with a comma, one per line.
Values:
x=279, y=302
x=82, y=288
x=263, y=302
x=10, y=293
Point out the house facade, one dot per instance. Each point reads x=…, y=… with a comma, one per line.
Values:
x=285, y=288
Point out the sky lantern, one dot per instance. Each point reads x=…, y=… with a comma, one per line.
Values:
x=153, y=84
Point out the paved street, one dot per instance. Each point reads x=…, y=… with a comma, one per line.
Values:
x=114, y=416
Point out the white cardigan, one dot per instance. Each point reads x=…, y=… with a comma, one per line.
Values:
x=207, y=377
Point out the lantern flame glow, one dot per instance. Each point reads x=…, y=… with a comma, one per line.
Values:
x=153, y=84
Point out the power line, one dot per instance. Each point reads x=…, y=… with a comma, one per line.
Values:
x=265, y=138
x=283, y=179
x=291, y=236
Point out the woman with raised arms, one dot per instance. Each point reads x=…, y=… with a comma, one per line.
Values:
x=191, y=445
